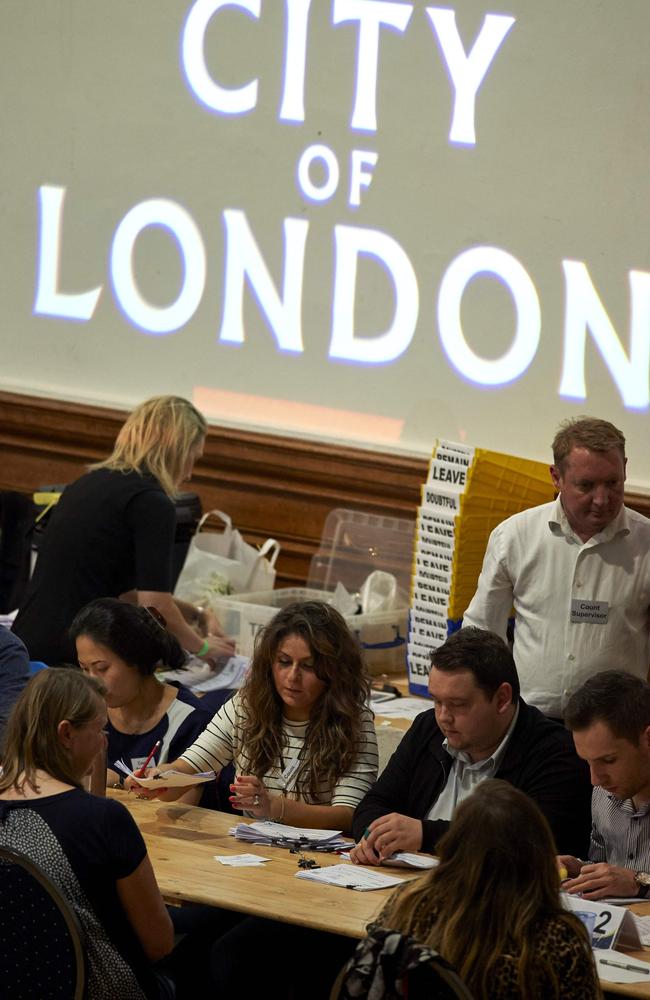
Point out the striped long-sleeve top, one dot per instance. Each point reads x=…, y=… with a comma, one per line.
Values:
x=222, y=742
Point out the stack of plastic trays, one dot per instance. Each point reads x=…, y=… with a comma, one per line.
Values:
x=468, y=492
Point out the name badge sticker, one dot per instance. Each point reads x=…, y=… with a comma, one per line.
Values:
x=289, y=773
x=589, y=612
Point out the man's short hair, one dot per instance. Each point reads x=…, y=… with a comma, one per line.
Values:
x=585, y=432
x=620, y=700
x=483, y=653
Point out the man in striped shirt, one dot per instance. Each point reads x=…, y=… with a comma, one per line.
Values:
x=610, y=720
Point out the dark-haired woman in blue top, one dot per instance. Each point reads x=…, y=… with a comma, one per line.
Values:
x=122, y=645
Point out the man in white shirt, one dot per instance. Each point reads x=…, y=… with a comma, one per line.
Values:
x=610, y=720
x=576, y=571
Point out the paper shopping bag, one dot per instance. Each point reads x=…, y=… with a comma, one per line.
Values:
x=220, y=563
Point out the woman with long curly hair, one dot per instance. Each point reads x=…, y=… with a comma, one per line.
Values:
x=299, y=732
x=492, y=907
x=305, y=752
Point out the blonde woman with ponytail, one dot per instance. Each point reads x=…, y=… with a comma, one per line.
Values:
x=112, y=535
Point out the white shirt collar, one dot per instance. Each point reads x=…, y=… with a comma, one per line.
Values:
x=559, y=525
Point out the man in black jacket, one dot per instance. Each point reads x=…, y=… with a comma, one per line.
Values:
x=480, y=728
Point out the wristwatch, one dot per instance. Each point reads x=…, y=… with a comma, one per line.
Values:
x=642, y=879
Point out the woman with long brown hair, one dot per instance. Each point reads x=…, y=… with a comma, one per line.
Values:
x=492, y=909
x=305, y=752
x=299, y=732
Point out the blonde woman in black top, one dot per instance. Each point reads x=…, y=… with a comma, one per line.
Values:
x=112, y=534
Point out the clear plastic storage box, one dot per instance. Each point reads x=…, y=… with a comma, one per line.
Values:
x=353, y=545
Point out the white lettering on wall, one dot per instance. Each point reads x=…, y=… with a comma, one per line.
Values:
x=585, y=311
x=181, y=225
x=371, y=15
x=331, y=181
x=465, y=267
x=227, y=100
x=49, y=301
x=467, y=72
x=243, y=260
x=350, y=242
x=360, y=177
x=292, y=108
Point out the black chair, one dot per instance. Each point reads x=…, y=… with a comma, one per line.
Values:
x=389, y=965
x=42, y=945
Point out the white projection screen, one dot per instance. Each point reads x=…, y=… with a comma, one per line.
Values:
x=367, y=221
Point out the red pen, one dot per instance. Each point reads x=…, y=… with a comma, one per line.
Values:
x=140, y=772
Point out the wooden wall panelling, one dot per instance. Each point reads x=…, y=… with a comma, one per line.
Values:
x=270, y=485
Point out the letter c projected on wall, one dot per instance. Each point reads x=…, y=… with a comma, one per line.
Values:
x=169, y=215
x=225, y=100
x=469, y=264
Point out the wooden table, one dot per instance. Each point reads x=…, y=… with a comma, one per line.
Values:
x=633, y=989
x=182, y=841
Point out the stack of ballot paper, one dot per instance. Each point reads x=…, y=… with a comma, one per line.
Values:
x=350, y=877
x=203, y=676
x=279, y=835
x=168, y=779
x=403, y=859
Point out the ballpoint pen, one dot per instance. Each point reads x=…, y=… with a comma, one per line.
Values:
x=623, y=965
x=141, y=770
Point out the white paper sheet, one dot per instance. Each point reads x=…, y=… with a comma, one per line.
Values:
x=202, y=676
x=403, y=859
x=240, y=860
x=233, y=675
x=643, y=927
x=167, y=779
x=611, y=974
x=350, y=877
x=378, y=698
x=403, y=708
